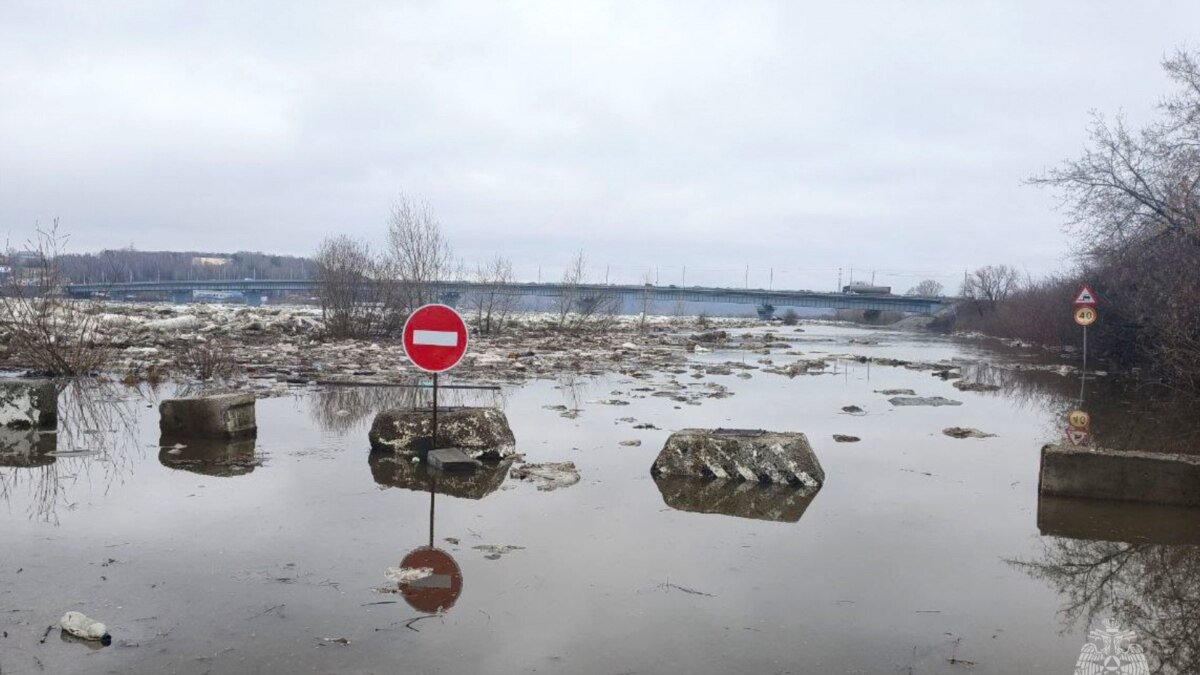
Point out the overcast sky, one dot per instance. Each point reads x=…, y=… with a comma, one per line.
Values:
x=799, y=136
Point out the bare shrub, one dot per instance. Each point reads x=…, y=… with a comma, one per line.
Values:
x=582, y=305
x=790, y=317
x=45, y=329
x=347, y=283
x=209, y=361
x=492, y=301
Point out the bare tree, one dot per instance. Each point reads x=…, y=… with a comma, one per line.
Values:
x=582, y=305
x=990, y=285
x=1134, y=198
x=493, y=302
x=420, y=257
x=928, y=288
x=347, y=278
x=45, y=329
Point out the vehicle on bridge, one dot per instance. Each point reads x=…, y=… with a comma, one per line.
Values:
x=867, y=289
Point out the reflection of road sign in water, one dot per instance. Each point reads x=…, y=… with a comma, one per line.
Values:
x=1077, y=437
x=1085, y=316
x=1079, y=419
x=435, y=338
x=438, y=591
x=1086, y=297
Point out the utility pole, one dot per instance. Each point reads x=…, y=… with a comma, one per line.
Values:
x=872, y=277
x=606, y=274
x=683, y=281
x=839, y=286
x=771, y=285
x=746, y=281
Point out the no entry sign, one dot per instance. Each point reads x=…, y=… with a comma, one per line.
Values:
x=435, y=338
x=440, y=590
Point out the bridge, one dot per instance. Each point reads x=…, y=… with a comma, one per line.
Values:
x=451, y=292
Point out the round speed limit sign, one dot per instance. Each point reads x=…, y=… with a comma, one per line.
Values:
x=1085, y=316
x=1079, y=419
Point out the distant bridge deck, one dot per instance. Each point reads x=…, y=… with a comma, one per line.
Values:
x=633, y=294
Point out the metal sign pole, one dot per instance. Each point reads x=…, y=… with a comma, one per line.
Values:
x=432, y=493
x=435, y=443
x=1083, y=373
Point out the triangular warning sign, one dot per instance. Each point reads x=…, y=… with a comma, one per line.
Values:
x=1086, y=297
x=1077, y=436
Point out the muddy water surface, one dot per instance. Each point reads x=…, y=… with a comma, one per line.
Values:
x=921, y=554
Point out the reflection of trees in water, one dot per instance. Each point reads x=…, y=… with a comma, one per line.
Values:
x=1126, y=414
x=95, y=439
x=1153, y=589
x=344, y=408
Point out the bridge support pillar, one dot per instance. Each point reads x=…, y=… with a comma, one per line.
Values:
x=450, y=298
x=766, y=311
x=181, y=297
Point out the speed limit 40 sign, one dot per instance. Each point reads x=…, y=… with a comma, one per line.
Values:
x=1085, y=316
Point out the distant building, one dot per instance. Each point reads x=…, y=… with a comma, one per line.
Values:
x=199, y=261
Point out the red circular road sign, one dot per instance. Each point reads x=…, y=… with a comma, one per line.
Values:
x=435, y=338
x=440, y=590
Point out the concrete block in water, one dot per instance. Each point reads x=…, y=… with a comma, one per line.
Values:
x=1098, y=473
x=225, y=416
x=28, y=404
x=481, y=433
x=452, y=459
x=740, y=455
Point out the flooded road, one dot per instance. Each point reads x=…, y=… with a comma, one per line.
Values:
x=922, y=553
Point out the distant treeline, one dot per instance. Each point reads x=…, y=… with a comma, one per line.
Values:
x=130, y=265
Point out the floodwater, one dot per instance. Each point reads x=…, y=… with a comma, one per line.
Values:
x=921, y=554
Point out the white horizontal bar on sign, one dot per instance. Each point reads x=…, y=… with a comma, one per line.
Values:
x=435, y=338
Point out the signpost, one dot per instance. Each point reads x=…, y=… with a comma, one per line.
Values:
x=1078, y=420
x=435, y=340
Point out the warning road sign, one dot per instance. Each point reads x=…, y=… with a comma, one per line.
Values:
x=1085, y=316
x=1077, y=437
x=435, y=338
x=1086, y=297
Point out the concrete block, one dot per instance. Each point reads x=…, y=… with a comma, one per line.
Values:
x=28, y=404
x=740, y=455
x=452, y=459
x=481, y=433
x=1098, y=473
x=224, y=416
x=778, y=503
